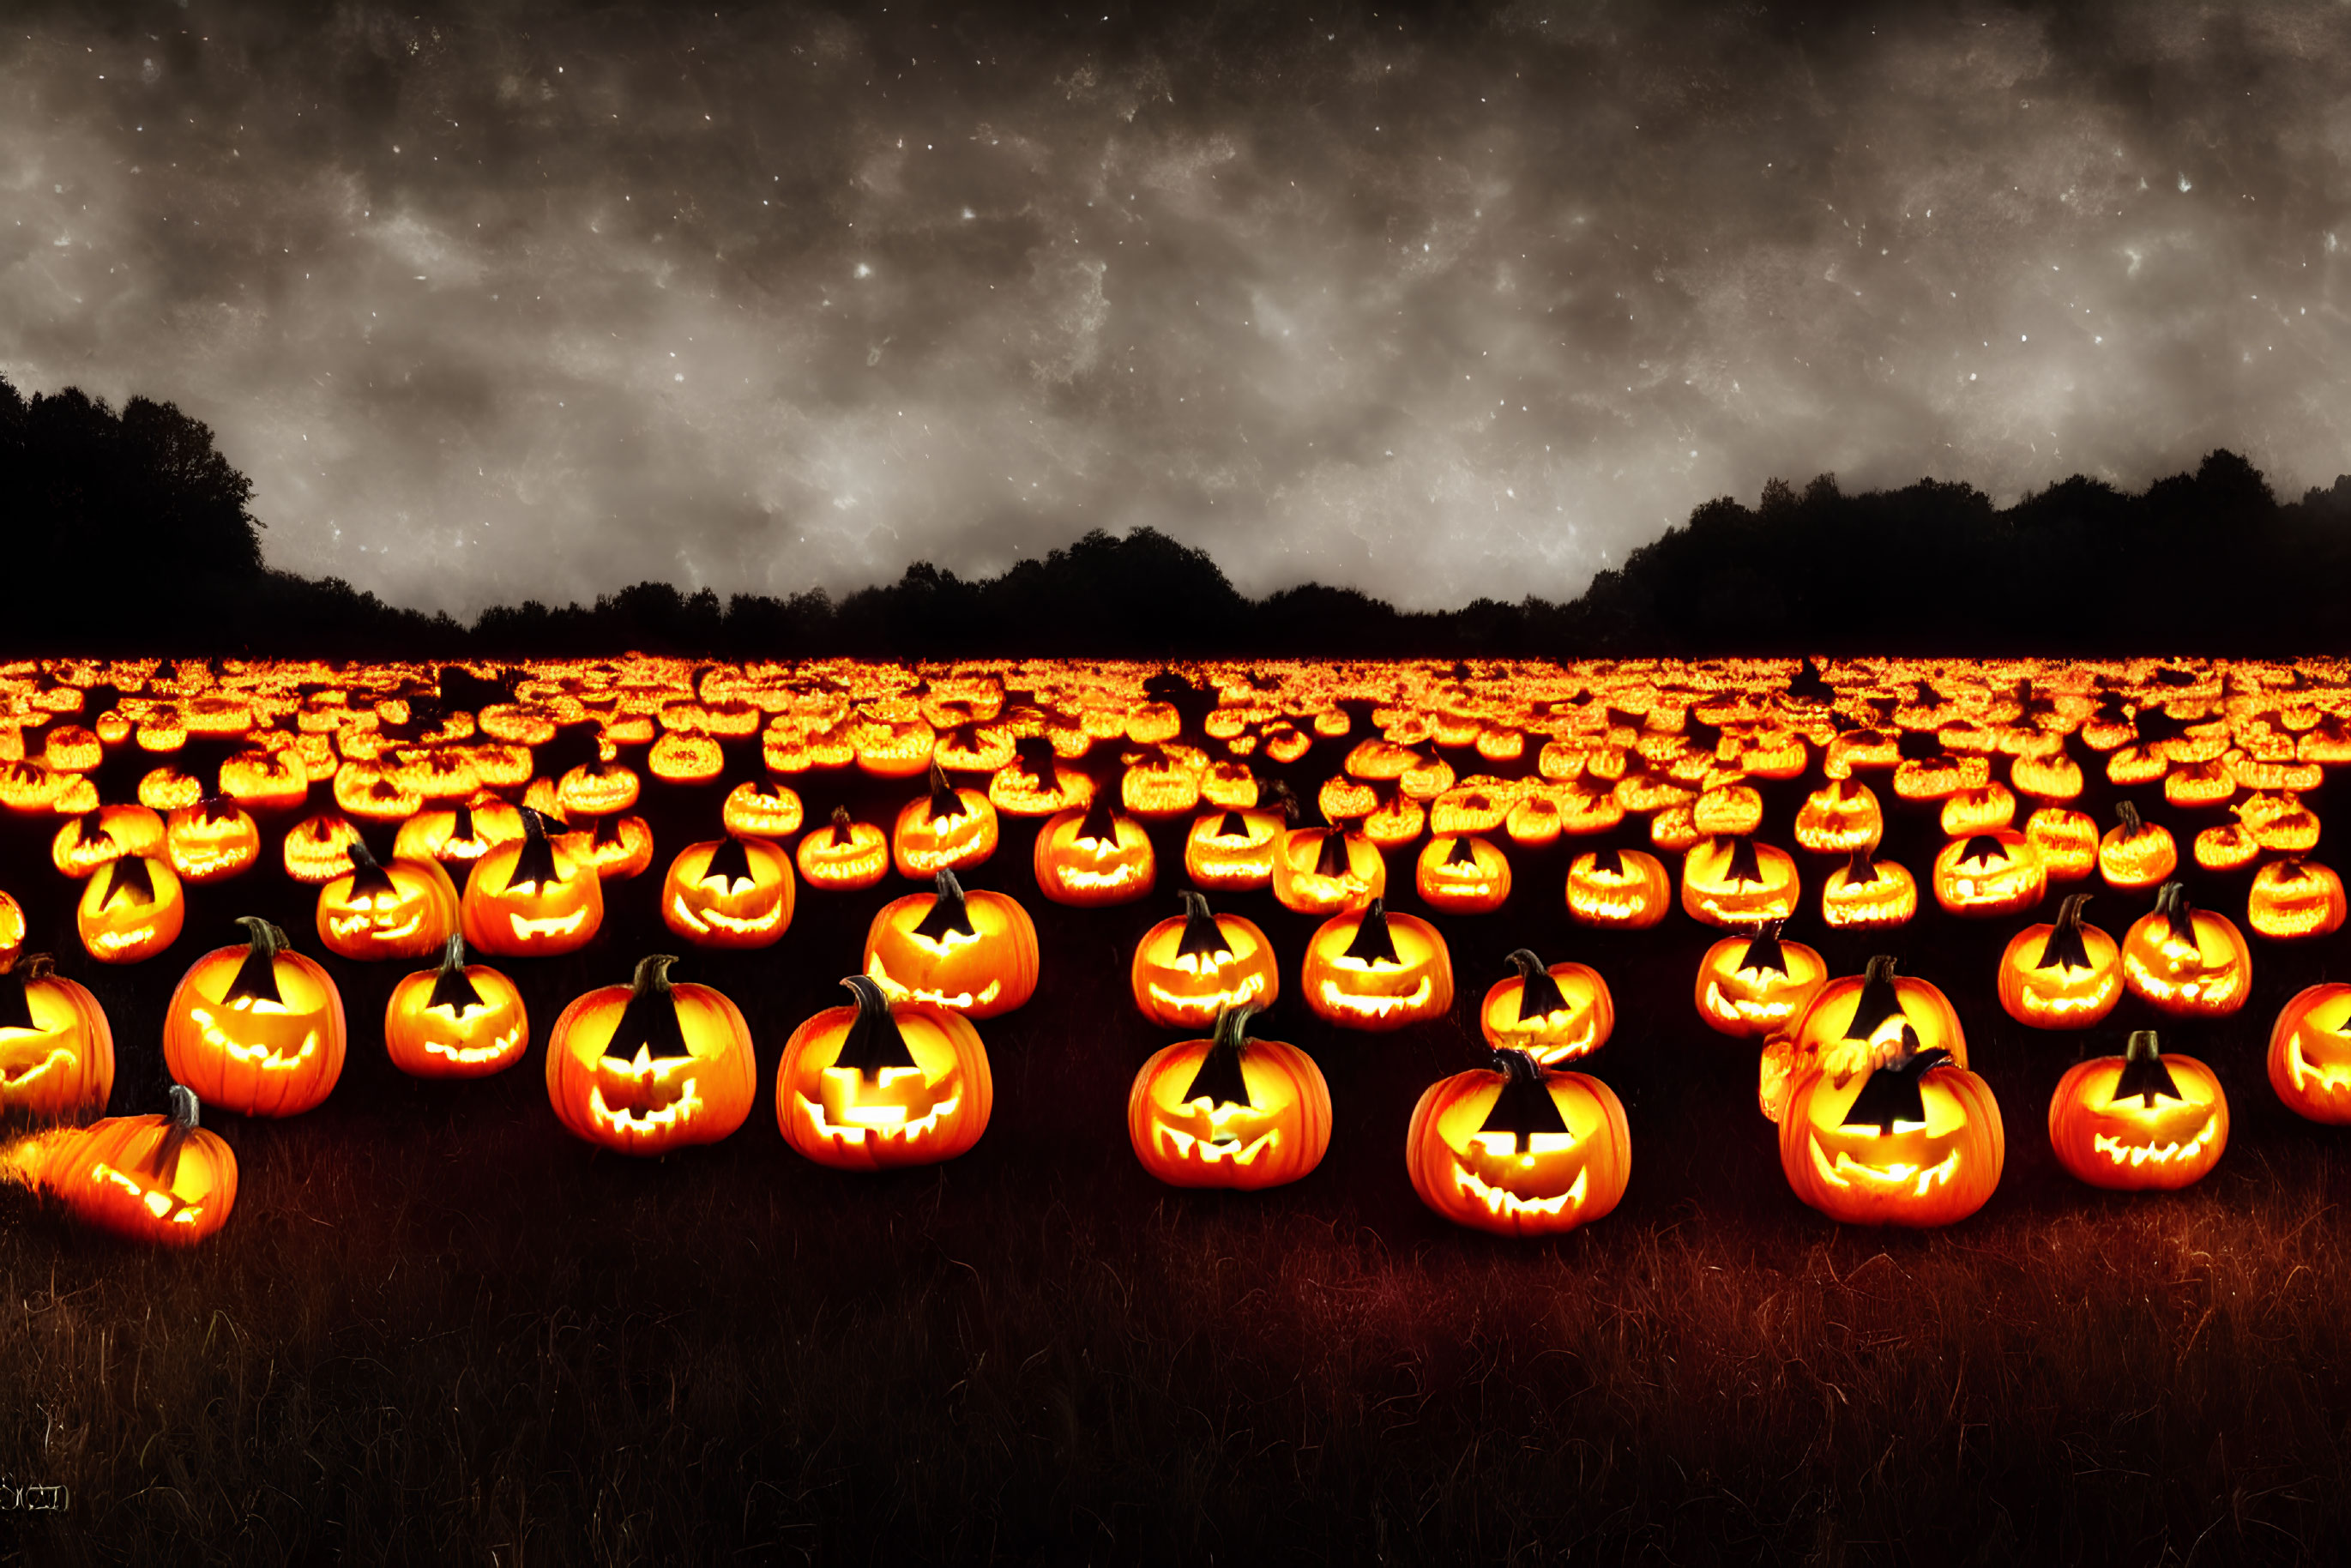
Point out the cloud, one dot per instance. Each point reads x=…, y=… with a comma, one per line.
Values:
x=539, y=301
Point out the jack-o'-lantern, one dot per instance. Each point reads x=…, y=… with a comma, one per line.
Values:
x=972, y=952
x=1519, y=1149
x=12, y=927
x=844, y=856
x=530, y=898
x=596, y=789
x=1868, y=894
x=1555, y=1014
x=459, y=834
x=948, y=829
x=1229, y=1111
x=1988, y=874
x=2063, y=975
x=156, y=1180
x=1673, y=830
x=459, y=1020
x=1754, y=986
x=1860, y=1019
x=2142, y=1122
x=615, y=847
x=56, y=1051
x=2049, y=778
x=1463, y=876
x=729, y=892
x=1035, y=783
x=1162, y=782
x=1368, y=969
x=90, y=839
x=882, y=1083
x=1914, y=1139
x=2067, y=840
x=211, y=841
x=257, y=1028
x=1587, y=810
x=2294, y=899
x=676, y=759
x=2309, y=1053
x=1095, y=856
x=2185, y=961
x=1625, y=889
x=1478, y=806
x=1534, y=819
x=317, y=849
x=653, y=1065
x=1727, y=808
x=1233, y=851
x=265, y=780
x=131, y=909
x=1735, y=882
x=1986, y=808
x=1397, y=821
x=1321, y=871
x=404, y=910
x=1191, y=966
x=2225, y=847
x=769, y=811
x=2190, y=784
x=2137, y=853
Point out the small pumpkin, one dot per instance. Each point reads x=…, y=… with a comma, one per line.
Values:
x=768, y=811
x=57, y=1050
x=90, y=839
x=1990, y=875
x=1520, y=1149
x=2185, y=961
x=733, y=891
x=615, y=846
x=1915, y=1139
x=971, y=953
x=458, y=834
x=317, y=849
x=1229, y=1111
x=1868, y=894
x=2309, y=1053
x=211, y=841
x=1732, y=881
x=2062, y=975
x=1625, y=889
x=459, y=1020
x=844, y=856
x=130, y=910
x=1554, y=1014
x=650, y=1066
x=1233, y=851
x=405, y=910
x=1321, y=870
x=879, y=1084
x=1462, y=875
x=2067, y=840
x=1753, y=985
x=531, y=898
x=2294, y=900
x=2143, y=1121
x=1368, y=969
x=2137, y=853
x=948, y=829
x=12, y=927
x=257, y=1028
x=1095, y=856
x=156, y=1180
x=1190, y=967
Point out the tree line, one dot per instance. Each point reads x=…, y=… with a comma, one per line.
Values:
x=126, y=531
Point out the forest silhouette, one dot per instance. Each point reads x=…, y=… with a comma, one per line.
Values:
x=128, y=532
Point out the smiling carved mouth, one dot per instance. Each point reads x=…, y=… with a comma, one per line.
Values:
x=1376, y=1007
x=470, y=1055
x=1845, y=1171
x=259, y=1053
x=2332, y=1077
x=735, y=925
x=1505, y=1203
x=357, y=924
x=164, y=1206
x=17, y=1077
x=552, y=925
x=2119, y=1153
x=1224, y=1149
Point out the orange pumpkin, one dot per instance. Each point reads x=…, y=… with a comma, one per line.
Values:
x=460, y=834
x=2309, y=1053
x=2294, y=900
x=1624, y=889
x=948, y=829
x=1840, y=817
x=1229, y=1111
x=2067, y=840
x=1233, y=851
x=1519, y=1149
x=650, y=1066
x=879, y=1084
x=158, y=1179
x=1988, y=874
x=846, y=856
x=1914, y=1139
x=1734, y=881
x=1754, y=986
x=1463, y=875
x=1369, y=969
x=1190, y=967
x=12, y=927
x=2185, y=961
x=1868, y=894
x=2135, y=854
x=1860, y=1019
x=1553, y=1014
x=613, y=846
x=211, y=841
x=971, y=953
x=770, y=810
x=404, y=910
x=90, y=840
x=2140, y=1122
x=729, y=892
x=257, y=1028
x=531, y=898
x=459, y=1020
x=2065, y=975
x=1321, y=870
x=57, y=1051
x=1095, y=856
x=130, y=910
x=317, y=849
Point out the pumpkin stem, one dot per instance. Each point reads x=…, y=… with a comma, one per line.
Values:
x=452, y=987
x=945, y=801
x=256, y=977
x=947, y=913
x=1373, y=944
x=842, y=836
x=1878, y=1000
x=2132, y=825
x=2179, y=915
x=1202, y=937
x=131, y=875
x=1763, y=951
x=873, y=1040
x=1524, y=1107
x=651, y=1019
x=1539, y=995
x=2065, y=948
x=1743, y=868
x=1890, y=1093
x=730, y=863
x=164, y=1164
x=2144, y=1073
x=1862, y=868
x=1218, y=1079
x=367, y=876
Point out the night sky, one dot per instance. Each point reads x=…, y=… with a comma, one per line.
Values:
x=538, y=301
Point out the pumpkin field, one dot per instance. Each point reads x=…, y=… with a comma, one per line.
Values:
x=639, y=1110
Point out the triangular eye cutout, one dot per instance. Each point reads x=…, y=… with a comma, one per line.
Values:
x=368, y=878
x=2144, y=1075
x=451, y=988
x=1525, y=1106
x=947, y=915
x=650, y=1020
x=16, y=1007
x=1202, y=937
x=1373, y=944
x=1098, y=826
x=873, y=1042
x=256, y=977
x=2065, y=949
x=1890, y=1093
x=1608, y=861
x=945, y=802
x=1330, y=859
x=1983, y=847
x=1233, y=826
x=730, y=863
x=1219, y=1079
x=1860, y=869
x=1463, y=852
x=534, y=865
x=1877, y=1002
x=88, y=831
x=1763, y=952
x=1539, y=994
x=1743, y=868
x=128, y=877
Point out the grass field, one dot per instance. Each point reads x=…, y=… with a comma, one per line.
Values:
x=438, y=1329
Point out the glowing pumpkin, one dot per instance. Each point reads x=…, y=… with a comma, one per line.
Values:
x=2309, y=1053
x=613, y=846
x=1321, y=870
x=1915, y=1139
x=459, y=1020
x=1735, y=882
x=1625, y=889
x=1229, y=1111
x=971, y=953
x=845, y=856
x=211, y=841
x=2185, y=961
x=949, y=830
x=460, y=834
x=1868, y=894
x=1861, y=1019
x=317, y=849
x=770, y=810
x=2140, y=1122
x=1368, y=969
x=881, y=1084
x=1462, y=875
x=650, y=1066
x=157, y=1179
x=530, y=898
x=1233, y=851
x=90, y=839
x=257, y=1028
x=1094, y=857
x=1988, y=874
x=56, y=1051
x=2294, y=900
x=1192, y=966
x=1754, y=986
x=2065, y=975
x=130, y=910
x=2067, y=840
x=729, y=892
x=2135, y=854
x=404, y=910
x=1519, y=1149
x=1553, y=1014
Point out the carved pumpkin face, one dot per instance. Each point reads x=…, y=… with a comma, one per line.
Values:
x=1986, y=808
x=879, y=1084
x=93, y=838
x=460, y=1021
x=2309, y=1053
x=458, y=835
x=1519, y=1149
x=1553, y=1014
x=257, y=1028
x=56, y=1051
x=1035, y=784
x=1861, y=1019
x=2053, y=778
x=131, y=909
x=1094, y=857
x=1754, y=986
x=596, y=789
x=2145, y=1121
x=1732, y=882
x=2066, y=974
x=317, y=849
x=1321, y=870
x=1915, y=1140
x=971, y=953
x=948, y=829
x=1369, y=969
x=12, y=927
x=1868, y=894
x=614, y=847
x=1625, y=889
x=531, y=898
x=2226, y=847
x=1462, y=875
x=2295, y=900
x=677, y=759
x=2186, y=962
x=769, y=811
x=650, y=1066
x=405, y=910
x=1229, y=1111
x=1190, y=968
x=1233, y=850
x=2135, y=854
x=2067, y=840
x=729, y=892
x=1988, y=874
x=211, y=841
x=845, y=856
x=155, y=1179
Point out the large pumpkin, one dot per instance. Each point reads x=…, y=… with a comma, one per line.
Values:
x=90, y=840
x=650, y=1066
x=878, y=1083
x=2141, y=1121
x=2295, y=900
x=2309, y=1053
x=733, y=891
x=132, y=909
x=1519, y=1149
x=1229, y=1111
x=1554, y=1014
x=971, y=953
x=405, y=910
x=1192, y=966
x=1369, y=969
x=158, y=1179
x=459, y=1020
x=531, y=898
x=56, y=1051
x=1914, y=1139
x=257, y=1028
x=2065, y=975
x=1754, y=986
x=1095, y=856
x=2185, y=961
